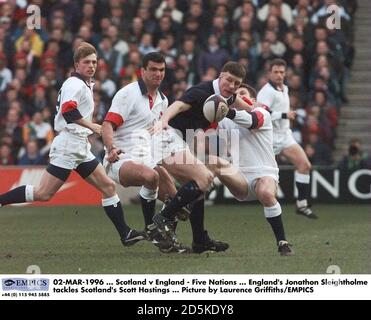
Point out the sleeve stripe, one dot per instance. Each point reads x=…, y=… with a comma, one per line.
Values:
x=69, y=106
x=115, y=119
x=266, y=108
x=213, y=125
x=257, y=119
x=72, y=115
x=254, y=120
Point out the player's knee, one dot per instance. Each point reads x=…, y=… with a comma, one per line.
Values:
x=109, y=188
x=240, y=195
x=151, y=177
x=266, y=196
x=304, y=166
x=209, y=177
x=204, y=181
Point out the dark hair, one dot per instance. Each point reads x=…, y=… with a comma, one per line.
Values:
x=83, y=50
x=235, y=68
x=250, y=89
x=277, y=62
x=154, y=57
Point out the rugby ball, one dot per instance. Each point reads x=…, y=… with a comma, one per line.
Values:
x=215, y=108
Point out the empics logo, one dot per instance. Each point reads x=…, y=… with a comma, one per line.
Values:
x=23, y=284
x=9, y=282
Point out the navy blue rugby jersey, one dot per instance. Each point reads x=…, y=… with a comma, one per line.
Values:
x=194, y=117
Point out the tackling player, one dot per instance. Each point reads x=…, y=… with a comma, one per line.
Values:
x=255, y=172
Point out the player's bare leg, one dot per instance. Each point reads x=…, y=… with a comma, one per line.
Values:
x=112, y=206
x=266, y=189
x=136, y=174
x=228, y=176
x=47, y=188
x=296, y=155
x=185, y=167
x=167, y=186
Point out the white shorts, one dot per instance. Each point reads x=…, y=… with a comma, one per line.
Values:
x=113, y=169
x=252, y=178
x=282, y=141
x=167, y=143
x=69, y=150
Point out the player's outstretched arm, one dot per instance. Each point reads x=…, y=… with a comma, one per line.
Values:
x=174, y=109
x=95, y=127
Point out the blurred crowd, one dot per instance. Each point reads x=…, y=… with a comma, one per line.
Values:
x=196, y=36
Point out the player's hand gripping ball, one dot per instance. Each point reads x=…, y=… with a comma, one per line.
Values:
x=215, y=108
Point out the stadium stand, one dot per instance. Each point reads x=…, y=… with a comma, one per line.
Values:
x=196, y=37
x=355, y=118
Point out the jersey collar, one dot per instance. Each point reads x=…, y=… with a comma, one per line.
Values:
x=144, y=91
x=78, y=75
x=276, y=88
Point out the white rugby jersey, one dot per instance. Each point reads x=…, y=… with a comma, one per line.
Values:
x=75, y=101
x=252, y=151
x=132, y=113
x=279, y=103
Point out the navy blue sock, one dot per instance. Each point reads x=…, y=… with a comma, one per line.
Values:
x=303, y=190
x=116, y=215
x=186, y=194
x=277, y=227
x=148, y=209
x=196, y=219
x=17, y=195
x=175, y=224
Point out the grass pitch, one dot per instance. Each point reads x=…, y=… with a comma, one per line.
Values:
x=69, y=240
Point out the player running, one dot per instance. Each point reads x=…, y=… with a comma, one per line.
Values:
x=275, y=95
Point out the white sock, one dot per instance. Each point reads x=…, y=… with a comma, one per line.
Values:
x=110, y=201
x=274, y=211
x=148, y=194
x=29, y=193
x=301, y=203
x=302, y=178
